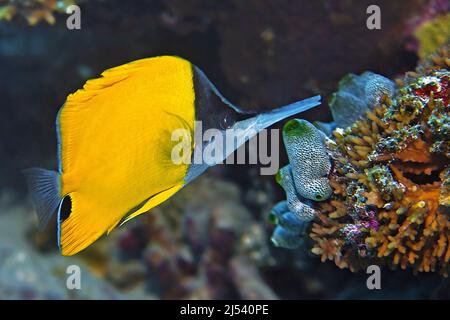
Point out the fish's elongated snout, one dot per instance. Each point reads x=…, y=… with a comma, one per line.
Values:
x=246, y=129
x=267, y=119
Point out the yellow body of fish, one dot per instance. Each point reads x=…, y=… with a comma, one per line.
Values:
x=112, y=158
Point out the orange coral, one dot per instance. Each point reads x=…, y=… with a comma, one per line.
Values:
x=391, y=181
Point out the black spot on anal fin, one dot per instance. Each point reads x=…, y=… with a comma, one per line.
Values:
x=66, y=208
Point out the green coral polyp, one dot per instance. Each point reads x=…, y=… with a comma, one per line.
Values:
x=297, y=128
x=278, y=177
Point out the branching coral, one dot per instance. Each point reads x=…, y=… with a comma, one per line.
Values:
x=437, y=61
x=390, y=183
x=390, y=177
x=33, y=10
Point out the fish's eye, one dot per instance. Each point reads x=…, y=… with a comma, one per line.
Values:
x=319, y=197
x=227, y=120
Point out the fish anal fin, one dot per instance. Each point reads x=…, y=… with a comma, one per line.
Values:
x=80, y=229
x=112, y=227
x=153, y=202
x=86, y=223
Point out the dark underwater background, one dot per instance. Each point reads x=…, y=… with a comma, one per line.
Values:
x=211, y=240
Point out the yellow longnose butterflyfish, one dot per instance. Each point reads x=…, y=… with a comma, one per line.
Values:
x=115, y=145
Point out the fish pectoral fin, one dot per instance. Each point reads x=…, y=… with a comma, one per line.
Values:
x=153, y=202
x=181, y=137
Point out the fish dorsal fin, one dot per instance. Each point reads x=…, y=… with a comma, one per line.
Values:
x=72, y=114
x=110, y=77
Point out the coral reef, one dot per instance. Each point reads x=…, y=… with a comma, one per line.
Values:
x=34, y=11
x=390, y=177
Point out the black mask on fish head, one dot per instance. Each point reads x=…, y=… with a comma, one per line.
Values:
x=211, y=108
x=214, y=112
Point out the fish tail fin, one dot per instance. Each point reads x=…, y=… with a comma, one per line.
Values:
x=44, y=186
